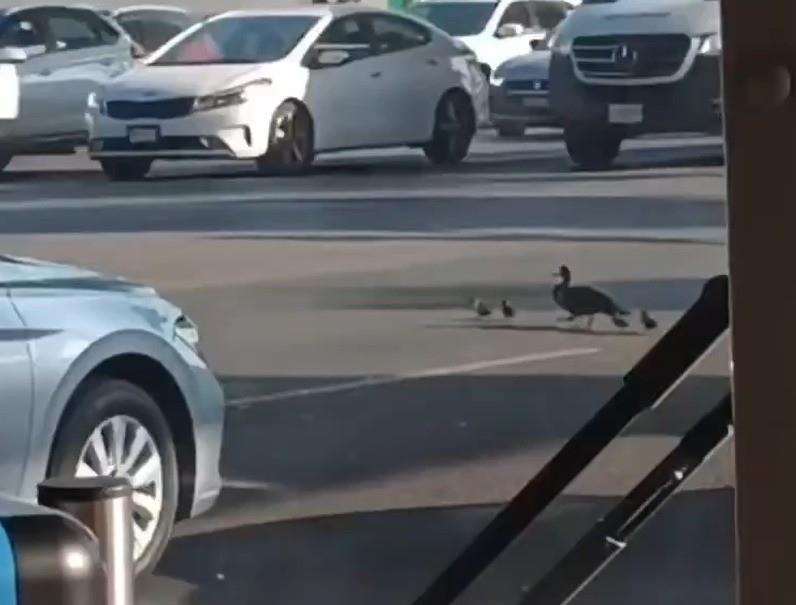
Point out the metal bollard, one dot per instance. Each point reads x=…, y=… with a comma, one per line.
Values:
x=47, y=557
x=104, y=505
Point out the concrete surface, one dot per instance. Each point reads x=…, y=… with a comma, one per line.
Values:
x=374, y=423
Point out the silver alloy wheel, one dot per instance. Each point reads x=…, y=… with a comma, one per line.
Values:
x=122, y=447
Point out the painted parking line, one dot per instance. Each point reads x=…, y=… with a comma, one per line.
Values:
x=374, y=381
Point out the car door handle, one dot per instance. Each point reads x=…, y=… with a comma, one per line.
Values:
x=376, y=74
x=106, y=62
x=432, y=62
x=46, y=72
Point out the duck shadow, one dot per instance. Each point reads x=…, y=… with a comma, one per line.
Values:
x=508, y=326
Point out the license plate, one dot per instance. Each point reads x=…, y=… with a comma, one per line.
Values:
x=625, y=114
x=534, y=102
x=139, y=136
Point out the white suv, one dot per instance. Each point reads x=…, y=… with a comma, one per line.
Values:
x=495, y=30
x=62, y=55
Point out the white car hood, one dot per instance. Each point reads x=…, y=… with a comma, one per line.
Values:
x=148, y=82
x=690, y=17
x=17, y=272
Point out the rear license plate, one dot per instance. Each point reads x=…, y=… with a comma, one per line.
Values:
x=625, y=114
x=143, y=135
x=534, y=102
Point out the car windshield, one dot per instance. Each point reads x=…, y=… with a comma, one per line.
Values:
x=456, y=18
x=239, y=40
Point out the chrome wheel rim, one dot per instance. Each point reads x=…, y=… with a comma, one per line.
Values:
x=122, y=447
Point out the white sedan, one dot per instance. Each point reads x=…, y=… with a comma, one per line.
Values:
x=280, y=86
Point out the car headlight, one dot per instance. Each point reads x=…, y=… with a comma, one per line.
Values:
x=227, y=98
x=186, y=331
x=710, y=45
x=96, y=102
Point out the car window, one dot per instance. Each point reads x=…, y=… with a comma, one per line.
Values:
x=455, y=18
x=75, y=30
x=392, y=34
x=151, y=33
x=352, y=33
x=547, y=15
x=19, y=32
x=239, y=40
x=518, y=12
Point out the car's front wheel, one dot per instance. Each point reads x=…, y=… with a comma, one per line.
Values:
x=454, y=128
x=592, y=147
x=291, y=146
x=114, y=428
x=126, y=169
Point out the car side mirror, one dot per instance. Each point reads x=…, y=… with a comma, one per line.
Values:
x=510, y=30
x=13, y=54
x=540, y=44
x=331, y=58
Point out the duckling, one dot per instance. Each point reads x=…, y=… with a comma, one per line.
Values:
x=507, y=309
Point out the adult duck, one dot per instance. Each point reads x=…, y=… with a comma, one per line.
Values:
x=585, y=301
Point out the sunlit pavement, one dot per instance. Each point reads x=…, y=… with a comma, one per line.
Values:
x=374, y=422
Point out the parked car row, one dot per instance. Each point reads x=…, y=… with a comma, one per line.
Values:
x=280, y=86
x=275, y=86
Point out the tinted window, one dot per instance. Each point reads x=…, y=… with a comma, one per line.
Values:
x=348, y=31
x=549, y=14
x=240, y=40
x=151, y=34
x=392, y=34
x=73, y=30
x=456, y=18
x=518, y=13
x=15, y=32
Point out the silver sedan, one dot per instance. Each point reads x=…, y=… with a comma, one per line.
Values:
x=103, y=377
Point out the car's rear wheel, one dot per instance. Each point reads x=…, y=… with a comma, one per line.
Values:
x=291, y=147
x=454, y=128
x=510, y=130
x=114, y=428
x=126, y=169
x=592, y=147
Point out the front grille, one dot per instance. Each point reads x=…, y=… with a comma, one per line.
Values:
x=537, y=86
x=630, y=56
x=159, y=110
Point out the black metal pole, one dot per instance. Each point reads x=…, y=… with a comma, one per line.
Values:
x=610, y=535
x=648, y=382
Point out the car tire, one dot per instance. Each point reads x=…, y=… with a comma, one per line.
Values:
x=126, y=169
x=291, y=144
x=510, y=130
x=5, y=160
x=95, y=407
x=454, y=129
x=592, y=148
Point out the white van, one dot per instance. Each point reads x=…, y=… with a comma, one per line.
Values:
x=622, y=68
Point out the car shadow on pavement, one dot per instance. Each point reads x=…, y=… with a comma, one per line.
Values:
x=366, y=436
x=684, y=555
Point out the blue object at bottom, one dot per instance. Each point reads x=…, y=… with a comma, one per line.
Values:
x=8, y=572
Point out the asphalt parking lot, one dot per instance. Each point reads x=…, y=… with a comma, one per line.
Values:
x=374, y=422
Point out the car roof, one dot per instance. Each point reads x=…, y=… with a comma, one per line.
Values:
x=134, y=8
x=312, y=11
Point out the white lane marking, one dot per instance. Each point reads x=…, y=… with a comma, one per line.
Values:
x=373, y=381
